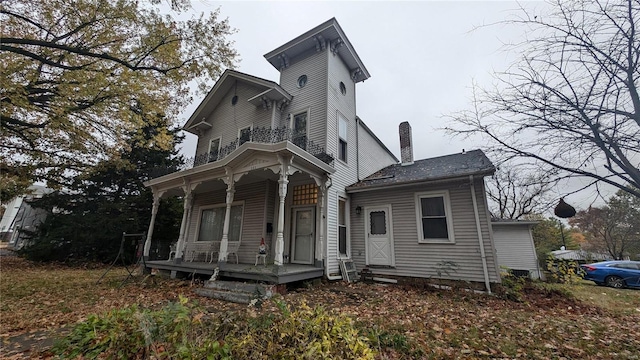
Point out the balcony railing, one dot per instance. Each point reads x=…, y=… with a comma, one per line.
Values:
x=257, y=135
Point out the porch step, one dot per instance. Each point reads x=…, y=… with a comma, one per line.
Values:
x=235, y=291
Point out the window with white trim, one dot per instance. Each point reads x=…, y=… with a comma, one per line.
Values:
x=214, y=149
x=299, y=128
x=342, y=138
x=433, y=215
x=212, y=223
x=342, y=227
x=244, y=135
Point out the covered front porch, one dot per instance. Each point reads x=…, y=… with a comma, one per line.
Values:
x=271, y=193
x=270, y=273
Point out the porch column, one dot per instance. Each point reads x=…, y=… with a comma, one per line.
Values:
x=186, y=215
x=322, y=195
x=154, y=212
x=282, y=191
x=224, y=242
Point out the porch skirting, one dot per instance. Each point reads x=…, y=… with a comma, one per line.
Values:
x=272, y=274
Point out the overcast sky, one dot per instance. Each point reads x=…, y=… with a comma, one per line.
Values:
x=422, y=56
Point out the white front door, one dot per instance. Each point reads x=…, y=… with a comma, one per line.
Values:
x=303, y=235
x=378, y=236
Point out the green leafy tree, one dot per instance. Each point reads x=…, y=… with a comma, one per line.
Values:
x=76, y=72
x=547, y=236
x=613, y=228
x=88, y=218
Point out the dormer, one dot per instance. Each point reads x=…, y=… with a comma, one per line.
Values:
x=258, y=93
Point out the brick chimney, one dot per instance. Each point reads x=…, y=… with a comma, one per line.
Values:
x=406, y=149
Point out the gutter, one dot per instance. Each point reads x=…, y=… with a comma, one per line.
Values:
x=357, y=189
x=483, y=255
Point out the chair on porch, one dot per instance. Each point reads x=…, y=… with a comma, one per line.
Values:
x=232, y=248
x=213, y=250
x=172, y=251
x=194, y=250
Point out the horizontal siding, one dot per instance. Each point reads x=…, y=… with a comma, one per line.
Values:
x=253, y=224
x=313, y=96
x=371, y=156
x=514, y=247
x=346, y=172
x=421, y=260
x=227, y=119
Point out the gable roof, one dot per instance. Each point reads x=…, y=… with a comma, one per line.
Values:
x=269, y=89
x=473, y=162
x=329, y=33
x=370, y=132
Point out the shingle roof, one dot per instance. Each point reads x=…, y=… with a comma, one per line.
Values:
x=473, y=162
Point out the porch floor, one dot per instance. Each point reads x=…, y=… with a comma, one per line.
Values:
x=267, y=273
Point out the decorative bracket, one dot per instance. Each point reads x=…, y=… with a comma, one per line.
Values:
x=266, y=102
x=320, y=43
x=282, y=104
x=335, y=45
x=284, y=61
x=355, y=73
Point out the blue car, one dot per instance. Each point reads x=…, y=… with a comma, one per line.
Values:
x=616, y=274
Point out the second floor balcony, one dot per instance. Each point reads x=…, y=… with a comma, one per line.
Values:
x=256, y=135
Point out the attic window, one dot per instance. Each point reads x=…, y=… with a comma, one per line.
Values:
x=343, y=88
x=234, y=100
x=302, y=81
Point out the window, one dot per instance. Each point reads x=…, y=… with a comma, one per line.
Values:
x=299, y=127
x=234, y=100
x=302, y=81
x=343, y=88
x=306, y=194
x=433, y=212
x=342, y=227
x=244, y=135
x=214, y=148
x=212, y=223
x=342, y=138
x=377, y=223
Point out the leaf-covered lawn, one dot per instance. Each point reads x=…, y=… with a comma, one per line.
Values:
x=409, y=322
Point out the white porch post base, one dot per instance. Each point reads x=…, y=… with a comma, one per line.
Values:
x=224, y=242
x=279, y=259
x=154, y=212
x=183, y=227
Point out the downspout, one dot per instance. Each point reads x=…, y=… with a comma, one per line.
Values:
x=480, y=240
x=326, y=240
x=357, y=148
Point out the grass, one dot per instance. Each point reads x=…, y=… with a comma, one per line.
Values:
x=552, y=321
x=621, y=301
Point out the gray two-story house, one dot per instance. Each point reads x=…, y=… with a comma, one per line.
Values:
x=290, y=165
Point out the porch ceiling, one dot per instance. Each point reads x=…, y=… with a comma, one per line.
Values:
x=249, y=163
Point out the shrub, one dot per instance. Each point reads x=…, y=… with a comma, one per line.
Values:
x=512, y=286
x=137, y=333
x=563, y=271
x=303, y=333
x=181, y=330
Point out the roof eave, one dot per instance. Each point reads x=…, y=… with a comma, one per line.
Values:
x=461, y=177
x=272, y=56
x=197, y=114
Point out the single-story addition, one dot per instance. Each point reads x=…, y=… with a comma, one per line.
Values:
x=290, y=164
x=515, y=247
x=426, y=218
